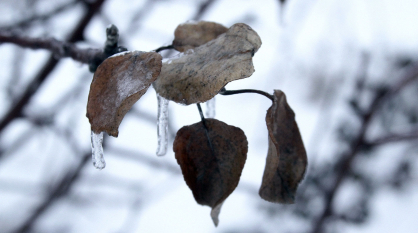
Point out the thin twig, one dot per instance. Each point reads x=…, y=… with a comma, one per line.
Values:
x=223, y=91
x=41, y=17
x=162, y=48
x=393, y=138
x=206, y=127
x=59, y=49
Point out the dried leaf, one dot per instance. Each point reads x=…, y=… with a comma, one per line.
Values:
x=212, y=175
x=198, y=75
x=117, y=84
x=286, y=158
x=194, y=34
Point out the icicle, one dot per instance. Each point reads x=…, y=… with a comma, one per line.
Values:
x=162, y=125
x=97, y=150
x=210, y=108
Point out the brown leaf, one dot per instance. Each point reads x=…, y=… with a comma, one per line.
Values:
x=199, y=74
x=212, y=175
x=117, y=84
x=286, y=158
x=191, y=35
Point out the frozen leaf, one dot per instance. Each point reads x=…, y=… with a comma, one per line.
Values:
x=117, y=84
x=199, y=74
x=286, y=158
x=212, y=175
x=194, y=34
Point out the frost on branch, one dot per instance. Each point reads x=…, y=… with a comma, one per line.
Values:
x=286, y=158
x=199, y=74
x=190, y=35
x=211, y=173
x=117, y=84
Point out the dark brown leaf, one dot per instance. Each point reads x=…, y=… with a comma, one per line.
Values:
x=212, y=175
x=199, y=74
x=117, y=84
x=191, y=35
x=286, y=158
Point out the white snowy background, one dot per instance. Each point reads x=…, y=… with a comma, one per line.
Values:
x=312, y=52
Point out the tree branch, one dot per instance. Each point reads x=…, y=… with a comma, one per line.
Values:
x=393, y=138
x=60, y=190
x=41, y=17
x=72, y=176
x=359, y=141
x=77, y=35
x=59, y=49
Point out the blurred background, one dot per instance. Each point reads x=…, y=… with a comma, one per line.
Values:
x=348, y=69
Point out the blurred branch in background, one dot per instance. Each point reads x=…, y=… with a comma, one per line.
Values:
x=39, y=18
x=358, y=142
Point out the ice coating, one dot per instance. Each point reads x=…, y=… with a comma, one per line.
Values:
x=162, y=125
x=97, y=150
x=121, y=53
x=211, y=108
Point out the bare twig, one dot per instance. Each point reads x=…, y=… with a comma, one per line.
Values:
x=143, y=159
x=59, y=49
x=162, y=48
x=223, y=91
x=393, y=138
x=41, y=17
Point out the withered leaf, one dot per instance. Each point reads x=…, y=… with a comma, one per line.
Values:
x=194, y=34
x=117, y=84
x=286, y=158
x=212, y=175
x=197, y=75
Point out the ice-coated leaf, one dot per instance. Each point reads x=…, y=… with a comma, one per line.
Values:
x=286, y=158
x=194, y=34
x=117, y=84
x=212, y=175
x=199, y=74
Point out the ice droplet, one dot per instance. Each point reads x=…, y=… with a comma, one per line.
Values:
x=210, y=108
x=97, y=150
x=162, y=125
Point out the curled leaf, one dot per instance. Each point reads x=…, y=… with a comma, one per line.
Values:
x=286, y=158
x=211, y=173
x=194, y=34
x=198, y=75
x=117, y=84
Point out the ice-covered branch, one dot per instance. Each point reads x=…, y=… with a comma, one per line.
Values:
x=59, y=49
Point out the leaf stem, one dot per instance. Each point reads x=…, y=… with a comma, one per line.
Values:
x=205, y=126
x=223, y=91
x=164, y=48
